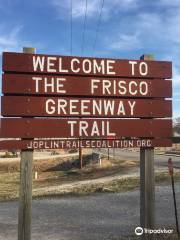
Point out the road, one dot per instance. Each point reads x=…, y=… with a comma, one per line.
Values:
x=160, y=160
x=94, y=217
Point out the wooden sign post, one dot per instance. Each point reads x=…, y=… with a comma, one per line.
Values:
x=147, y=184
x=25, y=192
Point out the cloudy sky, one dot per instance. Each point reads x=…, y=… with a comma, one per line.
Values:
x=128, y=29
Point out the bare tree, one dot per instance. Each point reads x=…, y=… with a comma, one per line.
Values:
x=176, y=125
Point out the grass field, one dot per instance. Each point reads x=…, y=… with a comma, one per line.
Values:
x=9, y=182
x=58, y=171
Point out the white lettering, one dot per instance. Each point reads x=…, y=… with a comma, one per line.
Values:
x=130, y=88
x=84, y=107
x=51, y=64
x=72, y=123
x=108, y=130
x=93, y=86
x=132, y=105
x=145, y=90
x=108, y=107
x=83, y=126
x=49, y=85
x=99, y=68
x=62, y=104
x=37, y=79
x=97, y=108
x=50, y=108
x=60, y=85
x=143, y=68
x=133, y=63
x=95, y=129
x=61, y=70
x=106, y=86
x=110, y=67
x=73, y=61
x=121, y=109
x=73, y=107
x=122, y=89
x=38, y=63
x=87, y=66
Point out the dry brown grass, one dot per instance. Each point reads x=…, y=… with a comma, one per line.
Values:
x=55, y=172
x=9, y=184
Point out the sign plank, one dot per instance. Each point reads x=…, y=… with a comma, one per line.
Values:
x=84, y=107
x=36, y=63
x=73, y=127
x=74, y=143
x=84, y=86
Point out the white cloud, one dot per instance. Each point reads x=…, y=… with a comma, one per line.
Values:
x=116, y=6
x=155, y=31
x=9, y=40
x=149, y=21
x=126, y=42
x=165, y=27
x=176, y=92
x=176, y=113
x=172, y=27
x=173, y=55
x=63, y=7
x=176, y=79
x=170, y=3
x=136, y=32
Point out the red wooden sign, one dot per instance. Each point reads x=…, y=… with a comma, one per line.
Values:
x=74, y=143
x=87, y=128
x=36, y=63
x=84, y=107
x=101, y=92
x=28, y=84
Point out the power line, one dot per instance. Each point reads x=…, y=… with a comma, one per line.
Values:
x=84, y=28
x=98, y=26
x=71, y=28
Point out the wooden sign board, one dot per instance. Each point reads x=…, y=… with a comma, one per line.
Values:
x=84, y=107
x=87, y=128
x=74, y=143
x=36, y=63
x=44, y=93
x=28, y=84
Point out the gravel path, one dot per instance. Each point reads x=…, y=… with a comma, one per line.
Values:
x=95, y=217
x=159, y=160
x=67, y=187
